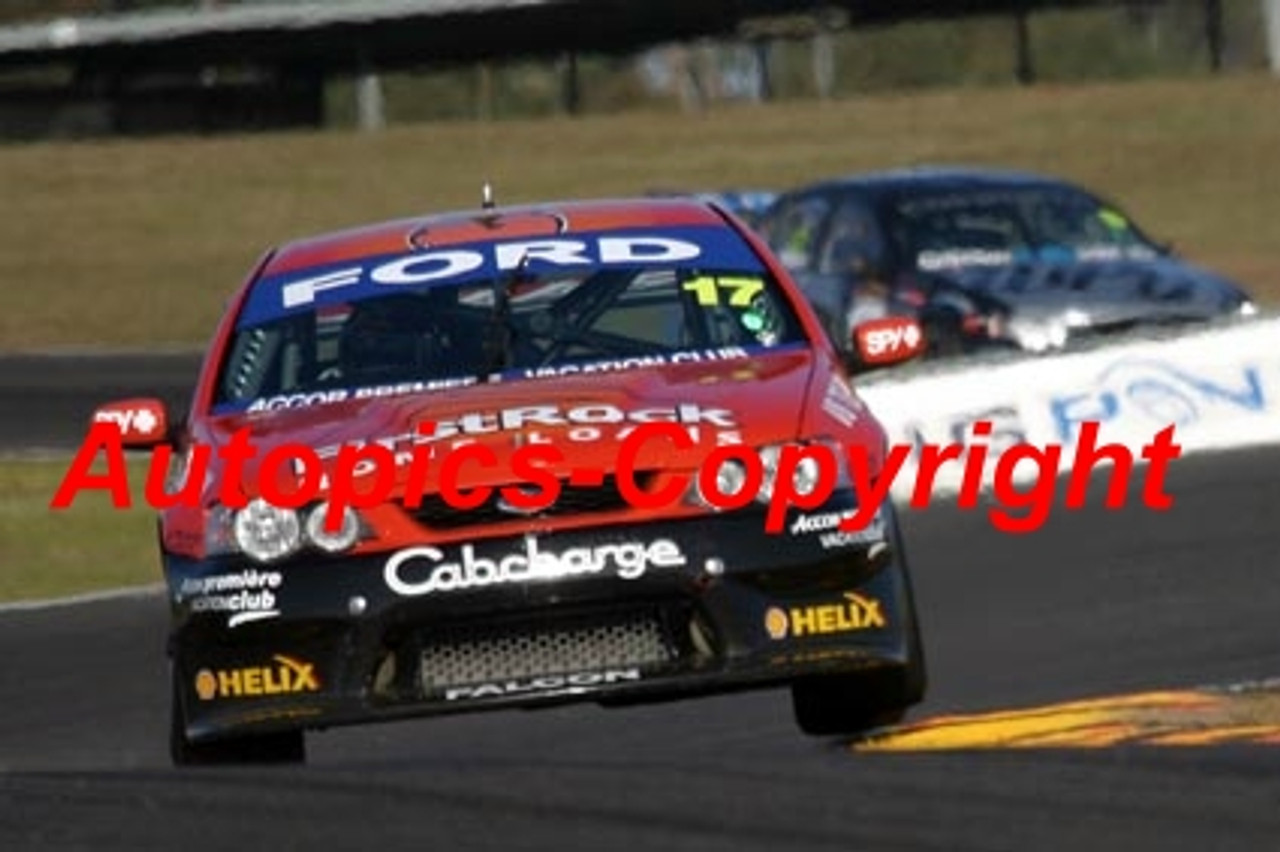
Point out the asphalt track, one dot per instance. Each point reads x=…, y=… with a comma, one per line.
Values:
x=46, y=400
x=1096, y=603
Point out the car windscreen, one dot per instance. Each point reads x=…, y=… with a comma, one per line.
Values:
x=944, y=230
x=513, y=326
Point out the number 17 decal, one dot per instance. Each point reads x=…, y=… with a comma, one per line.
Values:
x=707, y=290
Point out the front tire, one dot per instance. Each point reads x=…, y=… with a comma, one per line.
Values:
x=943, y=333
x=851, y=704
x=285, y=747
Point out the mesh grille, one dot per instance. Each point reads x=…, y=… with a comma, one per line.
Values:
x=485, y=654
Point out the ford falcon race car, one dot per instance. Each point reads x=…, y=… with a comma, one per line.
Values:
x=456, y=341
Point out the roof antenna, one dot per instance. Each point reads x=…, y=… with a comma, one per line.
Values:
x=486, y=196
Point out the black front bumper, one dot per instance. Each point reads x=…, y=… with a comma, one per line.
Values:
x=319, y=642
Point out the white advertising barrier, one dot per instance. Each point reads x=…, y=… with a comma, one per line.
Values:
x=1218, y=388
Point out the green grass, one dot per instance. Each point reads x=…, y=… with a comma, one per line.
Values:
x=141, y=242
x=45, y=553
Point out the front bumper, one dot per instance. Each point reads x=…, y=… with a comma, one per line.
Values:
x=616, y=615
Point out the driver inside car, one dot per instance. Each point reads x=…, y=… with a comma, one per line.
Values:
x=398, y=338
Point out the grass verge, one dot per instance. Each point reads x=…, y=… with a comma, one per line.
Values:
x=90, y=546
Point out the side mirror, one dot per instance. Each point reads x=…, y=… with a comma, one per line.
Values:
x=888, y=340
x=143, y=421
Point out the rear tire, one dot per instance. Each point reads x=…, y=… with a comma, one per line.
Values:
x=285, y=747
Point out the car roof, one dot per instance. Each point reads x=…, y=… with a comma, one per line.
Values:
x=937, y=178
x=553, y=219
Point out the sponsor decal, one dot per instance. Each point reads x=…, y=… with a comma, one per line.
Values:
x=419, y=571
x=855, y=613
x=895, y=336
x=838, y=538
x=828, y=525
x=547, y=683
x=282, y=402
x=582, y=423
x=1004, y=430
x=706, y=246
x=813, y=655
x=804, y=524
x=289, y=676
x=932, y=260
x=775, y=623
x=459, y=263
x=246, y=595
x=268, y=713
x=1155, y=392
x=1083, y=269
x=532, y=416
x=724, y=353
x=327, y=397
x=840, y=403
x=143, y=421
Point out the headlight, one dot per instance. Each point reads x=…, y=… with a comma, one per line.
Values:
x=1248, y=309
x=1076, y=318
x=806, y=476
x=997, y=325
x=769, y=460
x=732, y=475
x=332, y=541
x=1037, y=336
x=731, y=478
x=265, y=532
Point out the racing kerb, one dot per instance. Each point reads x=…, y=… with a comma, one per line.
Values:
x=1219, y=387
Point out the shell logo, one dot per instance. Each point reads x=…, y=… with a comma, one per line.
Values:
x=206, y=685
x=776, y=623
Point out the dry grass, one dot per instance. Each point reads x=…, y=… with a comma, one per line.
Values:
x=141, y=242
x=91, y=545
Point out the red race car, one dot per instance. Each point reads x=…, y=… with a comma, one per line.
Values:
x=517, y=457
